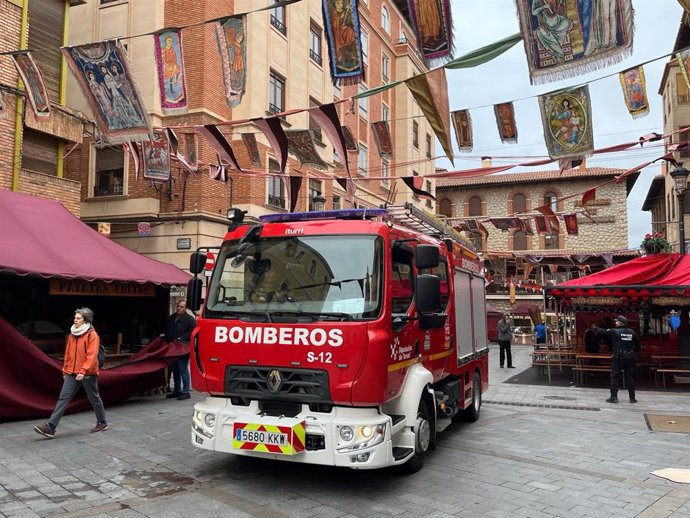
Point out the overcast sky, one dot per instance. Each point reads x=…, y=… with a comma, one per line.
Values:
x=480, y=22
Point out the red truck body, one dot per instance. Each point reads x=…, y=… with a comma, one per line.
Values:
x=332, y=362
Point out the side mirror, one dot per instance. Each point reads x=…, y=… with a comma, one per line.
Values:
x=428, y=294
x=194, y=288
x=197, y=262
x=426, y=256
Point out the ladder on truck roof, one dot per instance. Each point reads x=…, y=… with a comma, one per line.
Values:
x=409, y=216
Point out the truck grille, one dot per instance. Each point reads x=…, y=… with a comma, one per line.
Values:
x=262, y=383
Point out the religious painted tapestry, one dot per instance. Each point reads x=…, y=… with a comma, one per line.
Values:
x=431, y=21
x=567, y=121
x=343, y=37
x=156, y=153
x=34, y=86
x=635, y=91
x=462, y=122
x=231, y=35
x=172, y=82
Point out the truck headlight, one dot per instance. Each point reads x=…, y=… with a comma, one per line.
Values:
x=346, y=433
x=210, y=420
x=366, y=436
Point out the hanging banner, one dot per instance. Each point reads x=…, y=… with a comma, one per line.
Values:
x=301, y=144
x=526, y=227
x=179, y=151
x=295, y=185
x=350, y=143
x=542, y=226
x=635, y=91
x=326, y=116
x=343, y=37
x=566, y=38
x=156, y=154
x=172, y=82
x=431, y=21
x=231, y=36
x=34, y=86
x=462, y=122
x=382, y=136
x=416, y=184
x=567, y=121
x=252, y=146
x=505, y=119
x=103, y=72
x=570, y=221
x=220, y=145
x=273, y=130
x=132, y=150
x=189, y=148
x=431, y=93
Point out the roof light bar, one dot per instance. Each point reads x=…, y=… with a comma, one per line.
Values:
x=324, y=214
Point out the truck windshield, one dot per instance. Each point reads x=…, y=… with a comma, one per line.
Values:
x=324, y=277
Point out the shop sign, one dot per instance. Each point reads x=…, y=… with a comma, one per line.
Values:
x=184, y=243
x=100, y=288
x=670, y=301
x=144, y=229
x=104, y=229
x=597, y=301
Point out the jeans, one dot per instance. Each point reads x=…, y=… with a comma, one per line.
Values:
x=180, y=374
x=70, y=386
x=505, y=352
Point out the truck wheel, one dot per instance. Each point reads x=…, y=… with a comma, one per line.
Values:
x=422, y=440
x=471, y=413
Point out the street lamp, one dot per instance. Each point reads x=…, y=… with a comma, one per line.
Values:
x=680, y=182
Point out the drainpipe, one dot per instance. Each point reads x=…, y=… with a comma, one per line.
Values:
x=19, y=116
x=63, y=86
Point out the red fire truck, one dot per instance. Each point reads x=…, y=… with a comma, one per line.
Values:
x=347, y=338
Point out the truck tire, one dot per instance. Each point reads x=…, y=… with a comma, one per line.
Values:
x=471, y=413
x=422, y=441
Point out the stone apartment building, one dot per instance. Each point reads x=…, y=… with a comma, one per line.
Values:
x=32, y=150
x=287, y=67
x=661, y=199
x=528, y=262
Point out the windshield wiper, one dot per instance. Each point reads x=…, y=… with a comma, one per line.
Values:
x=332, y=283
x=240, y=314
x=317, y=315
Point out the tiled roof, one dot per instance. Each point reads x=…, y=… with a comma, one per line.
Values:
x=653, y=192
x=532, y=176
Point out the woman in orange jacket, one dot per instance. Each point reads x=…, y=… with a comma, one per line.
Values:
x=80, y=368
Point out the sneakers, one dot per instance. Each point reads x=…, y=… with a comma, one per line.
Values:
x=173, y=395
x=100, y=427
x=45, y=430
x=186, y=395
x=612, y=400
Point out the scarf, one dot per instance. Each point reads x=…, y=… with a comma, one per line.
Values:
x=78, y=331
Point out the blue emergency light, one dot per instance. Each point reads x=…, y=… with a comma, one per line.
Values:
x=324, y=214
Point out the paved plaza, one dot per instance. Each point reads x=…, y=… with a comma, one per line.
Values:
x=536, y=451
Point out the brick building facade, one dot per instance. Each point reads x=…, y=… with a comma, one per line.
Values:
x=287, y=67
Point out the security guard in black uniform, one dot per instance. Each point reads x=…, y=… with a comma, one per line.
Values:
x=626, y=345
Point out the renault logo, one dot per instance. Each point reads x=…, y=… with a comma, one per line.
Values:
x=274, y=381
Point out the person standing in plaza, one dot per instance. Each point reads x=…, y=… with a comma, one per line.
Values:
x=626, y=345
x=504, y=336
x=79, y=369
x=540, y=333
x=179, y=327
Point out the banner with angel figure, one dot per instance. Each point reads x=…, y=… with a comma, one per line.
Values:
x=567, y=121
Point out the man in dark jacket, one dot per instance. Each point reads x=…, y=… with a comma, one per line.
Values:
x=625, y=348
x=504, y=336
x=179, y=327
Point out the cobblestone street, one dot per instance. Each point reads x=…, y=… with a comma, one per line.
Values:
x=536, y=451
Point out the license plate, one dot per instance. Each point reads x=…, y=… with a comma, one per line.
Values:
x=285, y=438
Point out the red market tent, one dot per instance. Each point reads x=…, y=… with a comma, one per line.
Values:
x=41, y=237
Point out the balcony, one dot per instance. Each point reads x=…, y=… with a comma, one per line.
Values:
x=273, y=109
x=108, y=190
x=276, y=201
x=316, y=58
x=279, y=25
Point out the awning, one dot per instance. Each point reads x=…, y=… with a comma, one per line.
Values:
x=41, y=237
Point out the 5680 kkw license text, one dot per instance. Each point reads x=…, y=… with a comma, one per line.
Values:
x=255, y=436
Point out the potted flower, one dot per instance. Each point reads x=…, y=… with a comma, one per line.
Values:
x=655, y=244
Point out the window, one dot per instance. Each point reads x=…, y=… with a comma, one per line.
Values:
x=429, y=190
x=684, y=136
x=519, y=240
x=336, y=90
x=385, y=66
x=384, y=172
x=365, y=47
x=315, y=191
x=276, y=93
x=475, y=206
x=362, y=159
x=385, y=19
x=315, y=43
x=682, y=96
x=278, y=18
x=276, y=185
x=313, y=125
x=428, y=145
x=551, y=242
x=519, y=204
x=337, y=203
x=110, y=172
x=551, y=199
x=477, y=240
x=363, y=102
x=40, y=152
x=402, y=280
x=385, y=112
x=445, y=208
x=415, y=134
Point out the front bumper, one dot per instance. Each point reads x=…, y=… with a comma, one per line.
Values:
x=323, y=442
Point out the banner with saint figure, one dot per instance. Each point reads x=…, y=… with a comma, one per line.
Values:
x=567, y=121
x=172, y=82
x=231, y=35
